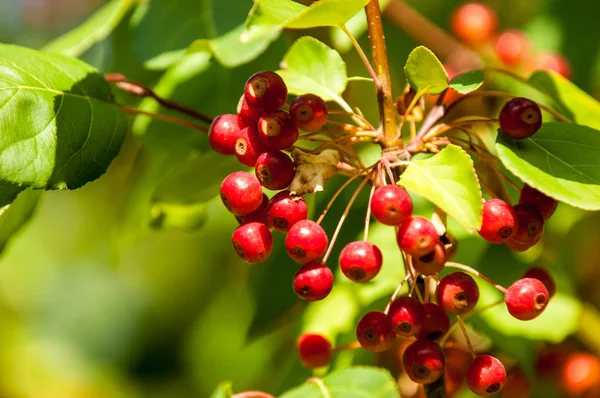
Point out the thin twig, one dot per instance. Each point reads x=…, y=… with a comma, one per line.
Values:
x=396, y=293
x=363, y=57
x=467, y=339
x=166, y=118
x=476, y=273
x=368, y=215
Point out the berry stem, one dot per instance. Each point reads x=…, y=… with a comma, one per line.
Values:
x=140, y=90
x=396, y=293
x=363, y=56
x=252, y=394
x=476, y=273
x=434, y=115
x=347, y=347
x=166, y=118
x=368, y=215
x=467, y=339
x=467, y=316
x=321, y=386
x=385, y=98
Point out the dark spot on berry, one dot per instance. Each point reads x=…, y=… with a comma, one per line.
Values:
x=424, y=241
x=530, y=116
x=493, y=388
x=299, y=252
x=533, y=228
x=435, y=335
x=371, y=336
x=280, y=223
x=461, y=300
x=505, y=232
x=421, y=371
x=239, y=250
x=304, y=290
x=264, y=175
x=540, y=301
x=357, y=274
x=226, y=201
x=405, y=327
x=258, y=87
x=304, y=113
x=428, y=257
x=241, y=146
x=444, y=239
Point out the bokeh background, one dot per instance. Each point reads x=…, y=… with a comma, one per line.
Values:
x=124, y=289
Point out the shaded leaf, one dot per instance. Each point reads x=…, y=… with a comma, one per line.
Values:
x=449, y=181
x=313, y=170
x=467, y=82
x=561, y=160
x=424, y=72
x=14, y=216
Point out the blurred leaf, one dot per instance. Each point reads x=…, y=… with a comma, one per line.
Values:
x=77, y=130
x=273, y=15
x=17, y=214
x=448, y=180
x=467, y=82
x=96, y=28
x=576, y=104
x=332, y=316
x=311, y=67
x=356, y=382
x=187, y=217
x=425, y=72
x=560, y=160
x=223, y=390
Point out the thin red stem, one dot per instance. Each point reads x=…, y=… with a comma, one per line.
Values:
x=166, y=118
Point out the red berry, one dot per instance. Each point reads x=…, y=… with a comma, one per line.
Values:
x=473, y=23
x=275, y=170
x=277, y=130
x=306, y=241
x=511, y=47
x=431, y=263
x=285, y=211
x=265, y=91
x=499, y=221
x=309, y=112
x=554, y=62
x=580, y=375
x=530, y=222
x=407, y=316
x=315, y=351
x=313, y=281
x=241, y=193
x=258, y=215
x=526, y=299
x=248, y=146
x=417, y=236
x=360, y=261
x=545, y=204
x=486, y=375
x=247, y=117
x=223, y=133
x=391, y=205
x=542, y=275
x=457, y=293
x=436, y=323
x=252, y=242
x=374, y=332
x=423, y=361
x=520, y=118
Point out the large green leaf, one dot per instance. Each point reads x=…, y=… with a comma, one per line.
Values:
x=60, y=127
x=425, y=72
x=273, y=15
x=576, y=104
x=14, y=216
x=356, y=382
x=448, y=180
x=312, y=67
x=96, y=28
x=560, y=160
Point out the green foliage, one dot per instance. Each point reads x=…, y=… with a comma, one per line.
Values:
x=560, y=160
x=77, y=131
x=13, y=217
x=354, y=382
x=467, y=82
x=448, y=180
x=425, y=72
x=223, y=390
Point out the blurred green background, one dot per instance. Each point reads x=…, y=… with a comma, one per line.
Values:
x=125, y=288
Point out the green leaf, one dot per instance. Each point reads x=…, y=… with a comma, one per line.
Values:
x=14, y=216
x=96, y=28
x=357, y=25
x=449, y=181
x=425, y=72
x=311, y=67
x=77, y=129
x=573, y=102
x=187, y=217
x=356, y=382
x=467, y=82
x=223, y=390
x=561, y=160
x=273, y=15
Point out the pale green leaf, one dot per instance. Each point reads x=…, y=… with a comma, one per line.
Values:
x=560, y=160
x=230, y=51
x=77, y=129
x=96, y=28
x=573, y=102
x=425, y=72
x=223, y=390
x=449, y=181
x=467, y=82
x=356, y=382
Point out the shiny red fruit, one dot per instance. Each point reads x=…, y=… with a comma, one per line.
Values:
x=531, y=224
x=247, y=117
x=486, y=375
x=520, y=118
x=526, y=299
x=436, y=323
x=265, y=91
x=417, y=236
x=275, y=170
x=391, y=205
x=361, y=261
x=499, y=221
x=542, y=275
x=223, y=133
x=241, y=193
x=258, y=215
x=512, y=47
x=309, y=112
x=423, y=361
x=285, y=211
x=374, y=332
x=252, y=242
x=545, y=204
x=457, y=293
x=248, y=147
x=407, y=316
x=473, y=23
x=306, y=241
x=431, y=263
x=314, y=350
x=277, y=130
x=313, y=281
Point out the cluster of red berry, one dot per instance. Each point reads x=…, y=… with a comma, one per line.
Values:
x=475, y=24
